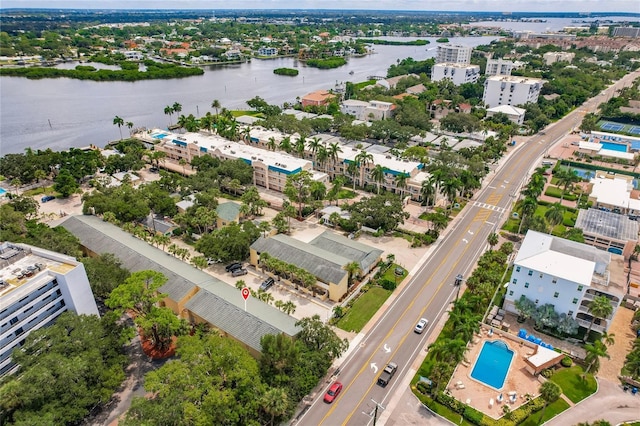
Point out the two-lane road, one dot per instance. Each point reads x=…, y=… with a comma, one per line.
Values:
x=430, y=290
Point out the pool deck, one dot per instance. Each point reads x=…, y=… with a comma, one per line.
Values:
x=479, y=395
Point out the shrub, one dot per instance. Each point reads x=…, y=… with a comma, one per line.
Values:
x=423, y=388
x=547, y=373
x=566, y=362
x=388, y=284
x=473, y=415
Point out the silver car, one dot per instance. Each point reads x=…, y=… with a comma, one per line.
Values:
x=421, y=325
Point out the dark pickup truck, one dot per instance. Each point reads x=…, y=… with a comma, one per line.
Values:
x=387, y=374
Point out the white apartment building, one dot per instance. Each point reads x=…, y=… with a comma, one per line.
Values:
x=453, y=53
x=500, y=66
x=567, y=275
x=367, y=111
x=36, y=286
x=511, y=90
x=457, y=73
x=553, y=57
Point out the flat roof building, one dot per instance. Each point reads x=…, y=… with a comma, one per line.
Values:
x=453, y=53
x=457, y=73
x=608, y=231
x=36, y=286
x=511, y=90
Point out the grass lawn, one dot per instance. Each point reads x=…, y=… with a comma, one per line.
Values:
x=552, y=410
x=390, y=274
x=570, y=380
x=40, y=190
x=346, y=194
x=363, y=309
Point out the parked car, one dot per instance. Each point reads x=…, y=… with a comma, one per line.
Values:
x=266, y=284
x=47, y=198
x=421, y=325
x=238, y=272
x=333, y=392
x=235, y=265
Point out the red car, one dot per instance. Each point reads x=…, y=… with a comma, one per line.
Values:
x=333, y=392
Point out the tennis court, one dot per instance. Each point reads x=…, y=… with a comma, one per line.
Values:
x=635, y=130
x=611, y=127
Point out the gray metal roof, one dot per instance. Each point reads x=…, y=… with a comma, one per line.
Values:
x=356, y=251
x=325, y=265
x=607, y=224
x=136, y=255
x=228, y=211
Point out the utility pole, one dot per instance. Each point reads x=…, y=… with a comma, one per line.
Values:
x=374, y=413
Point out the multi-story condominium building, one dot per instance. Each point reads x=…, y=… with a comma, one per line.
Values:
x=553, y=57
x=567, y=275
x=457, y=73
x=367, y=111
x=500, y=66
x=511, y=90
x=453, y=53
x=36, y=286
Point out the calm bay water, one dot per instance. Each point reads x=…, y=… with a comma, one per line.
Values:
x=81, y=112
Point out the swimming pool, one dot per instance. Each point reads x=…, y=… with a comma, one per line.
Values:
x=2, y=192
x=614, y=146
x=159, y=135
x=492, y=364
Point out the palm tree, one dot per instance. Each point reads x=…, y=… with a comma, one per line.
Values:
x=549, y=392
x=555, y=214
x=428, y=190
x=168, y=111
x=275, y=402
x=353, y=269
x=285, y=145
x=527, y=209
x=300, y=145
x=600, y=307
x=595, y=351
x=183, y=163
x=321, y=156
x=608, y=338
x=363, y=159
x=401, y=182
x=313, y=145
x=215, y=105
x=333, y=150
x=176, y=107
x=565, y=179
x=129, y=124
x=118, y=121
x=377, y=174
x=492, y=239
x=271, y=144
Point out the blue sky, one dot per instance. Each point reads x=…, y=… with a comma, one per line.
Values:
x=435, y=5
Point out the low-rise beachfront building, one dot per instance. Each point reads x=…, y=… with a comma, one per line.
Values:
x=613, y=192
x=567, y=275
x=192, y=294
x=325, y=257
x=511, y=90
x=317, y=98
x=608, y=231
x=36, y=286
x=367, y=111
x=457, y=73
x=515, y=114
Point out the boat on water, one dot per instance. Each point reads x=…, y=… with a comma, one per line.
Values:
x=351, y=72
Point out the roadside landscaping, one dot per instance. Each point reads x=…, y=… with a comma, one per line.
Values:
x=573, y=385
x=355, y=315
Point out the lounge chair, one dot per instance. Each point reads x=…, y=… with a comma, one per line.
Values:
x=491, y=403
x=499, y=399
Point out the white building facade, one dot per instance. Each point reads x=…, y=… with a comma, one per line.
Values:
x=511, y=90
x=457, y=73
x=367, y=111
x=565, y=274
x=36, y=286
x=499, y=67
x=453, y=53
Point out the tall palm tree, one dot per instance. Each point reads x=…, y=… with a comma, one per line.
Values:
x=300, y=145
x=401, y=182
x=215, y=105
x=549, y=392
x=271, y=144
x=129, y=125
x=600, y=307
x=334, y=151
x=594, y=351
x=168, y=111
x=492, y=239
x=314, y=145
x=118, y=121
x=322, y=156
x=363, y=159
x=428, y=190
x=566, y=178
x=176, y=107
x=353, y=269
x=377, y=174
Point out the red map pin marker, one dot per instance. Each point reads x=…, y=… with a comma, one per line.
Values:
x=245, y=293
